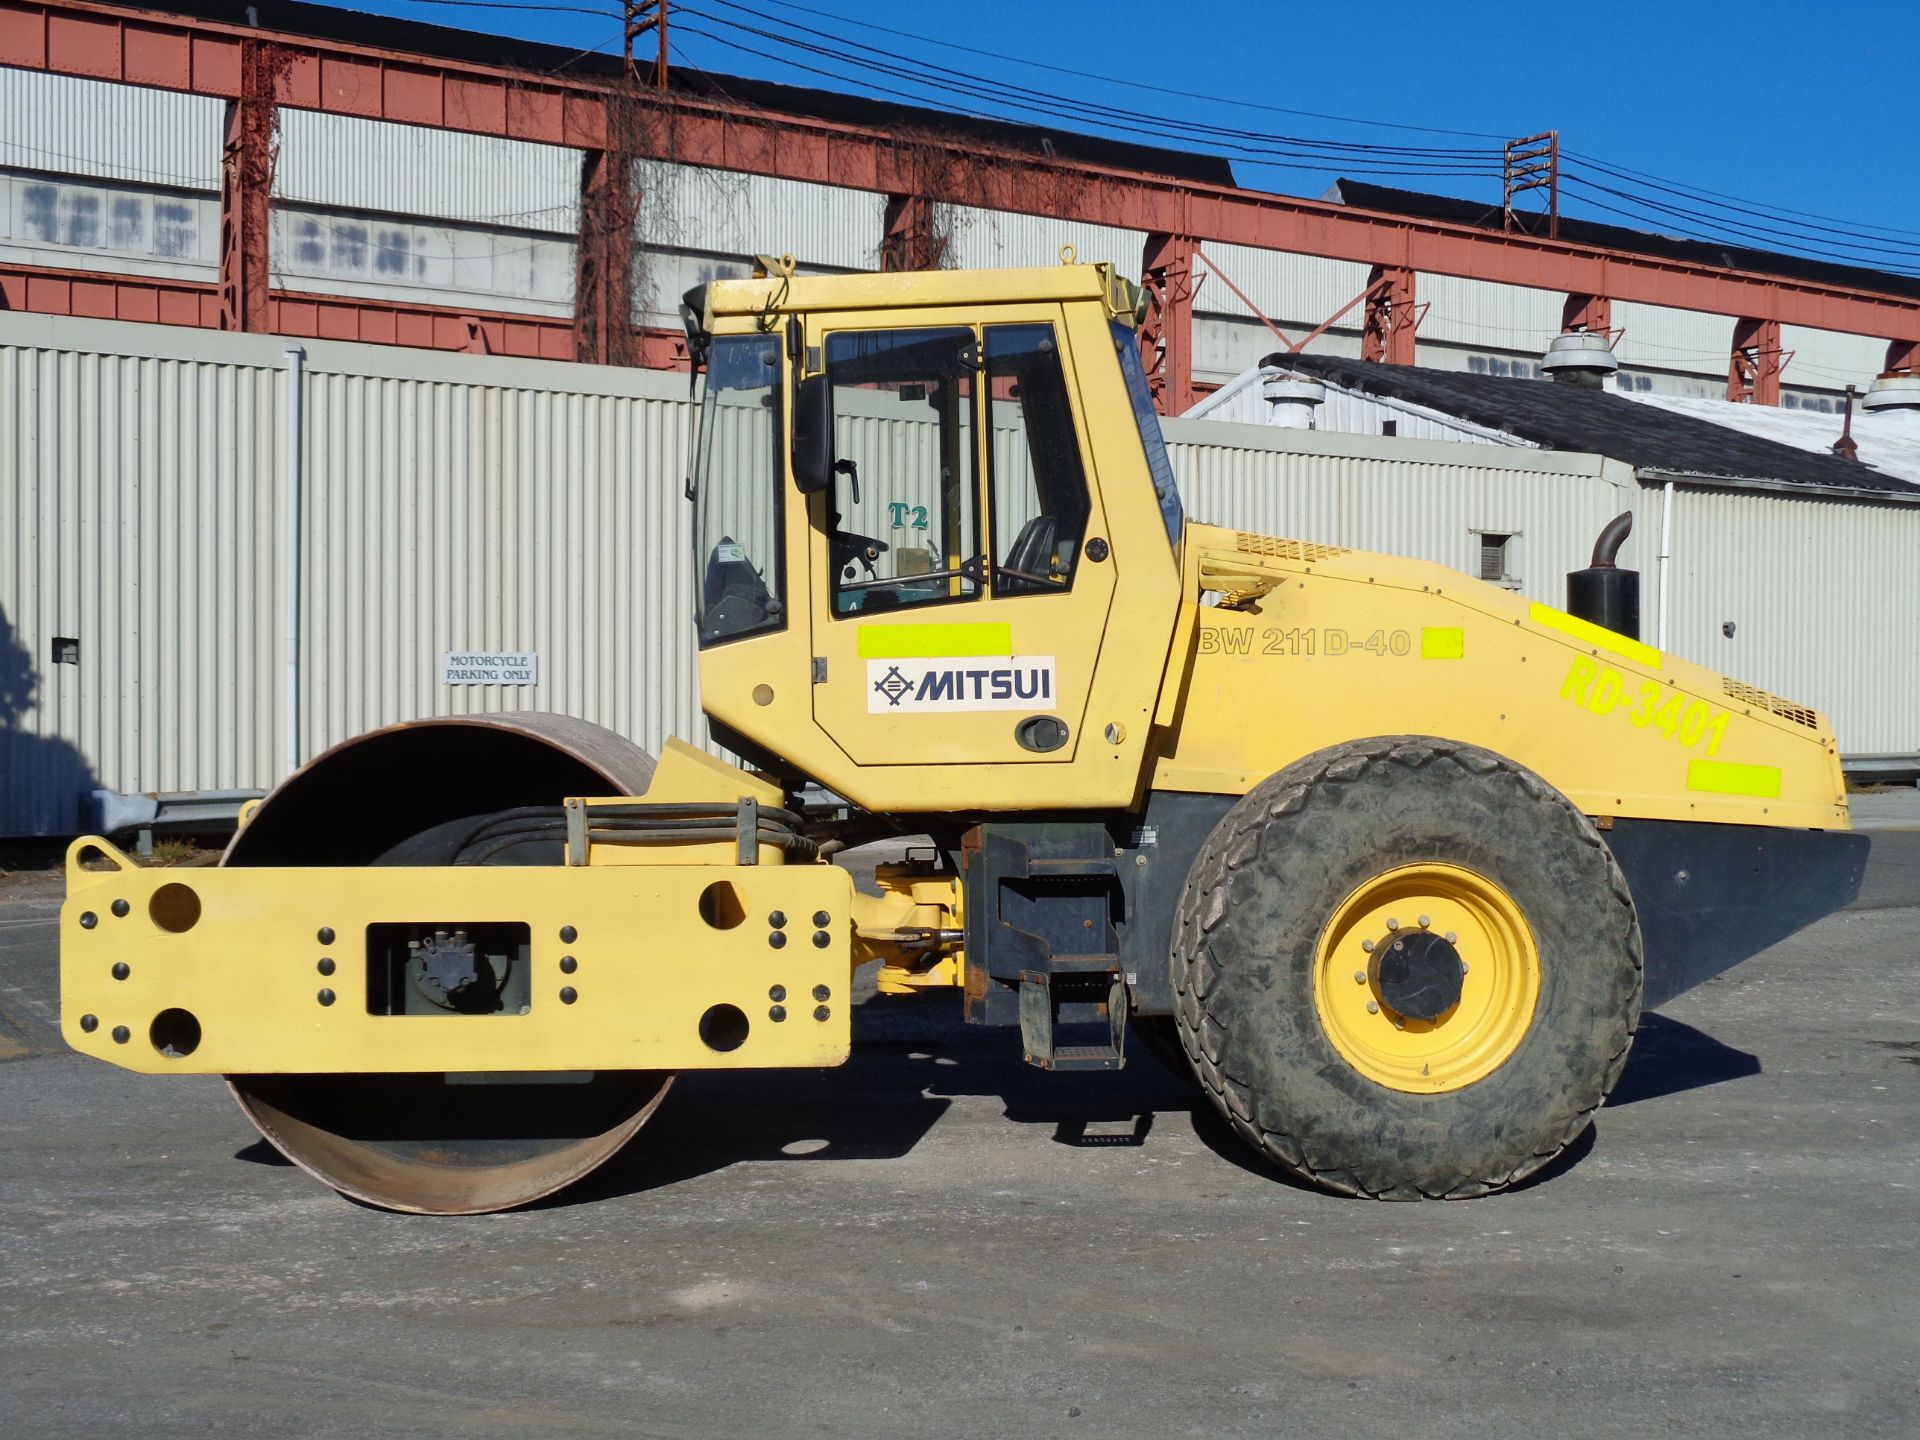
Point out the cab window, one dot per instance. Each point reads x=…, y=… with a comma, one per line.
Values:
x=1039, y=484
x=903, y=518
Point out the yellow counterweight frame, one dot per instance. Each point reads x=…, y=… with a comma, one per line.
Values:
x=240, y=953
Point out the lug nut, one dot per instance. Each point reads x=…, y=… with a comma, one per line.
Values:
x=1425, y=922
x=1452, y=939
x=777, y=919
x=89, y=1023
x=568, y=934
x=776, y=1013
x=1393, y=924
x=121, y=1034
x=821, y=992
x=821, y=939
x=822, y=919
x=1367, y=945
x=88, y=920
x=777, y=939
x=821, y=1012
x=1359, y=977
x=1373, y=1007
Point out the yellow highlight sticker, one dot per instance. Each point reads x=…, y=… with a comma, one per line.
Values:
x=1592, y=634
x=1443, y=642
x=1719, y=777
x=933, y=642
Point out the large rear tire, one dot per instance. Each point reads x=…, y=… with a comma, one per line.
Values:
x=1406, y=968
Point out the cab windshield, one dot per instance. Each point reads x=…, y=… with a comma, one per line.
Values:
x=1148, y=421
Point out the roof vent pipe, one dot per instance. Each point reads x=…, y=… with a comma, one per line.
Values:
x=1898, y=391
x=1292, y=400
x=1580, y=357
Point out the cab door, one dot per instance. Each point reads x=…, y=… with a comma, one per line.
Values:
x=960, y=573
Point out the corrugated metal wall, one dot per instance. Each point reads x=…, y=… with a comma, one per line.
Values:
x=109, y=131
x=1428, y=499
x=451, y=503
x=462, y=502
x=353, y=164
x=1822, y=596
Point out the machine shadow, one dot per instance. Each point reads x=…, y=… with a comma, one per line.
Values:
x=911, y=1057
x=1670, y=1056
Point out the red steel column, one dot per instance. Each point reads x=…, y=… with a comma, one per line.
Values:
x=246, y=189
x=1592, y=313
x=1388, y=333
x=1166, y=340
x=909, y=243
x=1753, y=370
x=602, y=287
x=1903, y=357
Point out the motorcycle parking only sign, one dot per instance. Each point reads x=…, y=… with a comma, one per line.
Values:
x=489, y=667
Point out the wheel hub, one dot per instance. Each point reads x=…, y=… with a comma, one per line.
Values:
x=1427, y=977
x=1417, y=976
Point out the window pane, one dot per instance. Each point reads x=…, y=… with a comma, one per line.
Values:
x=904, y=519
x=1039, y=484
x=739, y=480
x=1172, y=514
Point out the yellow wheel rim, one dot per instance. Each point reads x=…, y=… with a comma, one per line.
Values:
x=1497, y=993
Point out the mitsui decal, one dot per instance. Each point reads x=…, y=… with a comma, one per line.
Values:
x=948, y=685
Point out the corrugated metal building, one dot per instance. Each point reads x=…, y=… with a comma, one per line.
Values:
x=124, y=179
x=454, y=502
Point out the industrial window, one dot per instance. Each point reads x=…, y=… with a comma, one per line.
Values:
x=1494, y=559
x=1039, y=485
x=904, y=524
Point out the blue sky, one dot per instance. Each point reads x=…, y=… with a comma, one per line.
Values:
x=1777, y=107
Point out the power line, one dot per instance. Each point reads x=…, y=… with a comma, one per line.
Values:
x=1274, y=155
x=1131, y=84
x=1051, y=101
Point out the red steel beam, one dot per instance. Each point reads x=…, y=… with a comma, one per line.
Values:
x=78, y=37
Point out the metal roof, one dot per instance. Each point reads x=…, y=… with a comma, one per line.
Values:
x=1889, y=441
x=1560, y=416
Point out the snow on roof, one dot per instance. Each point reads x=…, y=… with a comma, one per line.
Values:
x=1889, y=441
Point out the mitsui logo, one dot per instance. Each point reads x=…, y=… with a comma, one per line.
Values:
x=1001, y=682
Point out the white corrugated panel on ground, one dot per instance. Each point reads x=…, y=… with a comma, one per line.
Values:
x=353, y=164
x=990, y=239
x=1821, y=597
x=452, y=503
x=726, y=212
x=1405, y=497
x=109, y=131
